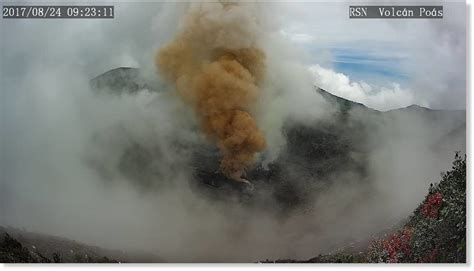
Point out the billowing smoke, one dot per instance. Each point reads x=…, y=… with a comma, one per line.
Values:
x=217, y=68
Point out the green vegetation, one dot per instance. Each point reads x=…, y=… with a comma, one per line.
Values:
x=436, y=232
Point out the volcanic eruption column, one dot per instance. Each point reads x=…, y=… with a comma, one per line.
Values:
x=217, y=67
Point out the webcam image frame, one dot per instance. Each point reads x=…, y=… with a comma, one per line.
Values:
x=234, y=132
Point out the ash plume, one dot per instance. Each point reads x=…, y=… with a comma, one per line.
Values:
x=217, y=68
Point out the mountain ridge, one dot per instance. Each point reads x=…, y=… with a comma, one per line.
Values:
x=129, y=79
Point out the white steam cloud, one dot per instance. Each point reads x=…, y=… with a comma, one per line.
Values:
x=380, y=98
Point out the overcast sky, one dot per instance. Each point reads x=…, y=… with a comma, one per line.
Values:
x=384, y=64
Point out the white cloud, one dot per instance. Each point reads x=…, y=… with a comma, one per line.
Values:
x=381, y=98
x=297, y=37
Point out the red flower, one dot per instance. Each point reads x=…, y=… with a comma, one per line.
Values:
x=397, y=245
x=430, y=208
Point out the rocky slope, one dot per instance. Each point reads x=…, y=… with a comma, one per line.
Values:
x=20, y=246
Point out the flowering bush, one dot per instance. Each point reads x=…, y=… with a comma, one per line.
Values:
x=396, y=248
x=432, y=205
x=398, y=245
